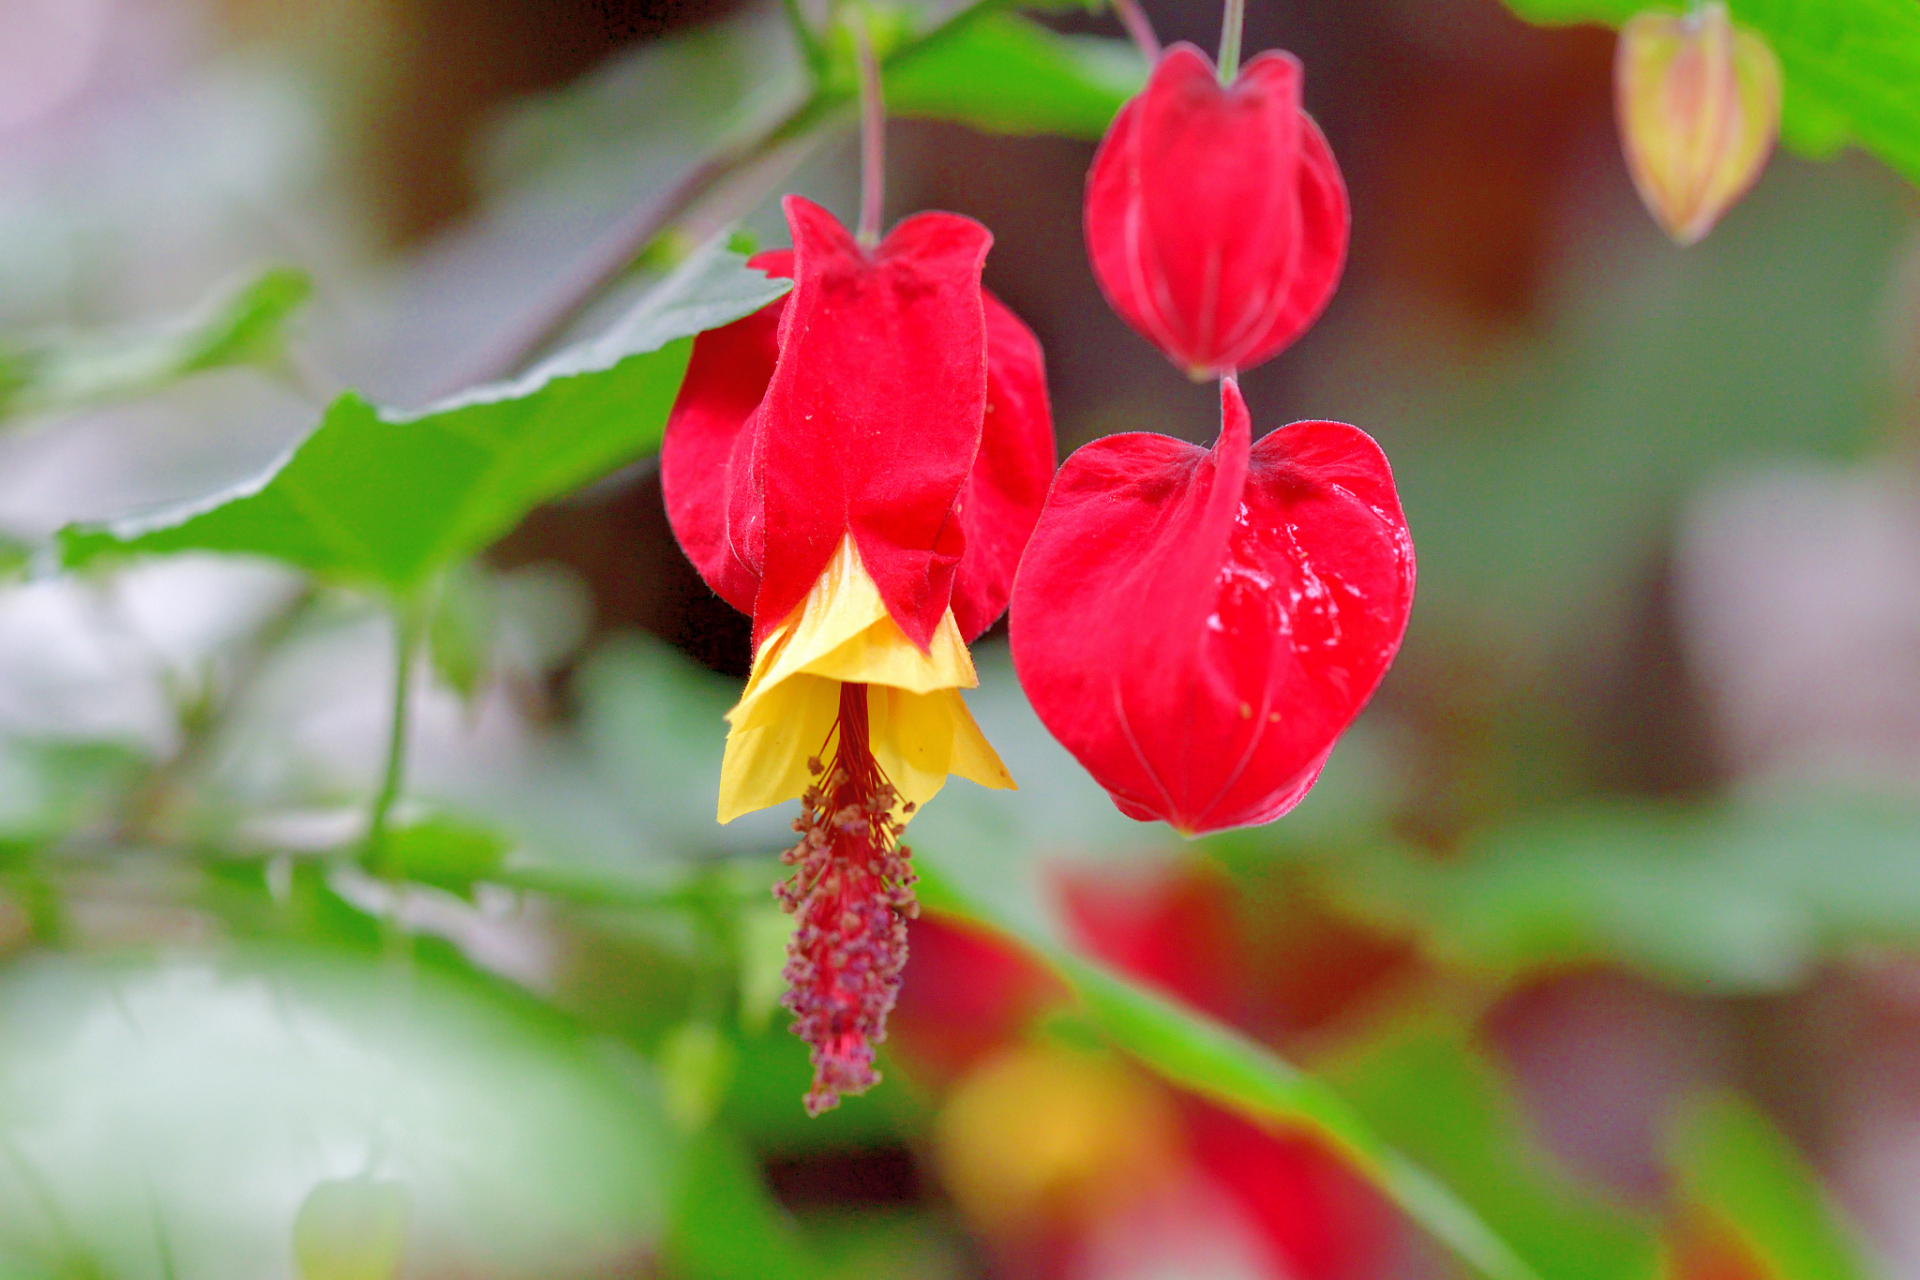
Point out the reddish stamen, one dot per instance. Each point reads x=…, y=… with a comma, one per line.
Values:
x=852, y=890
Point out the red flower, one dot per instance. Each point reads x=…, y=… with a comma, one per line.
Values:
x=858, y=466
x=1314, y=1208
x=1197, y=626
x=1216, y=219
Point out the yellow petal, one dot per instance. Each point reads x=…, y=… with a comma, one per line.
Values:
x=920, y=729
x=770, y=740
x=1698, y=102
x=920, y=738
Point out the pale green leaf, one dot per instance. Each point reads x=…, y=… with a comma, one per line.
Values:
x=1723, y=898
x=382, y=498
x=461, y=630
x=239, y=325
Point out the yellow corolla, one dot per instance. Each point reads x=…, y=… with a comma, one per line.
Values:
x=918, y=727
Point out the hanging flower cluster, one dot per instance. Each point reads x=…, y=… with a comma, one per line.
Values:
x=857, y=466
x=862, y=467
x=1199, y=626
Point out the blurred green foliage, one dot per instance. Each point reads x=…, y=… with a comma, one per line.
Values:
x=1732, y=1161
x=351, y=1033
x=1005, y=74
x=243, y=324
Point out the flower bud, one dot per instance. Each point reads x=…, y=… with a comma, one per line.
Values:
x=1698, y=101
x=1197, y=627
x=1216, y=219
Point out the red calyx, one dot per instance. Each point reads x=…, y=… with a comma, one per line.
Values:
x=887, y=396
x=1197, y=627
x=1216, y=218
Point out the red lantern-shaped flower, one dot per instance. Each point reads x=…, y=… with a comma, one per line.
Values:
x=1197, y=627
x=1216, y=219
x=858, y=466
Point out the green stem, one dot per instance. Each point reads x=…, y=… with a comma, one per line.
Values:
x=1230, y=24
x=406, y=628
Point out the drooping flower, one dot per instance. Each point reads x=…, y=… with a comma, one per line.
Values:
x=857, y=466
x=1198, y=626
x=1698, y=101
x=1216, y=218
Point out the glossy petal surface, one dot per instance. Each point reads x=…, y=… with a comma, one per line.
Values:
x=1216, y=218
x=1198, y=626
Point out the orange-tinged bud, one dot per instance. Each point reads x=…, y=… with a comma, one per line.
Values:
x=1698, y=100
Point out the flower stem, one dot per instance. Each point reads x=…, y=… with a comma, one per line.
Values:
x=1230, y=24
x=406, y=629
x=757, y=163
x=1139, y=29
x=873, y=132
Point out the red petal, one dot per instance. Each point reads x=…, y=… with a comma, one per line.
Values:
x=1010, y=476
x=1172, y=927
x=872, y=419
x=1198, y=627
x=884, y=466
x=1216, y=219
x=706, y=459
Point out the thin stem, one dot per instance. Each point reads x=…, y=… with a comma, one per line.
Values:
x=1139, y=29
x=873, y=132
x=548, y=315
x=406, y=627
x=1230, y=24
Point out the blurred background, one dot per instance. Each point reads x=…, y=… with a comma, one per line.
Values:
x=1619, y=874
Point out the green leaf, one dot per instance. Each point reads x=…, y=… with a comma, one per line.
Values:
x=352, y=1229
x=764, y=933
x=460, y=630
x=1197, y=1053
x=696, y=1065
x=444, y=852
x=1434, y=1096
x=1006, y=74
x=1731, y=1160
x=725, y=1224
x=240, y=325
x=1725, y=898
x=1850, y=66
x=380, y=498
